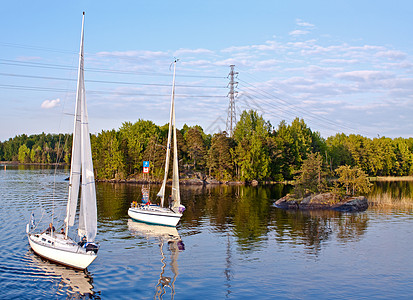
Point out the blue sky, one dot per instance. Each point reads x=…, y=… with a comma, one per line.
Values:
x=342, y=66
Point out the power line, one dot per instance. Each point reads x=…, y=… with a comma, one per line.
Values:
x=319, y=120
x=112, y=82
x=42, y=89
x=285, y=105
x=36, y=48
x=99, y=70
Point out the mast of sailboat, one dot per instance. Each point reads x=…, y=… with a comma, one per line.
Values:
x=161, y=192
x=176, y=198
x=75, y=165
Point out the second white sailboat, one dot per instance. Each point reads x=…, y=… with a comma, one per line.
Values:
x=160, y=214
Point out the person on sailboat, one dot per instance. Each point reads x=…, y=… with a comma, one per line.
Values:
x=170, y=201
x=50, y=228
x=62, y=231
x=83, y=241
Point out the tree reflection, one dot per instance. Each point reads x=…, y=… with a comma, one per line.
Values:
x=315, y=228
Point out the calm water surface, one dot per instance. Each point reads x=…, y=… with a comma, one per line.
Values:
x=230, y=244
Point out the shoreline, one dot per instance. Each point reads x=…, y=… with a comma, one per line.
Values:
x=197, y=181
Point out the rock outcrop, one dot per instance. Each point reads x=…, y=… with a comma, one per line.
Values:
x=324, y=201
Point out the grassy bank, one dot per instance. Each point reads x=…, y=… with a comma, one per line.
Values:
x=391, y=178
x=388, y=201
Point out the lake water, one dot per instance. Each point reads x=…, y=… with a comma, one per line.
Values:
x=230, y=244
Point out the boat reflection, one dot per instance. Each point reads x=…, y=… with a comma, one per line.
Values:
x=72, y=282
x=166, y=236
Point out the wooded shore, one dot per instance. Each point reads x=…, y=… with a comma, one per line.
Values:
x=256, y=151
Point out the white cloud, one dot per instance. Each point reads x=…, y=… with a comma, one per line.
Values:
x=363, y=75
x=392, y=54
x=47, y=104
x=193, y=51
x=134, y=54
x=299, y=32
x=300, y=22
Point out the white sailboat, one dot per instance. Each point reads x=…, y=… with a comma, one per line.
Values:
x=58, y=247
x=159, y=214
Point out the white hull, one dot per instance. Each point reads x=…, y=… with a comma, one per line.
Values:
x=62, y=251
x=154, y=215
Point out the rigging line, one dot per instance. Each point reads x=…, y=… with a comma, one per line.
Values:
x=100, y=70
x=107, y=81
x=45, y=89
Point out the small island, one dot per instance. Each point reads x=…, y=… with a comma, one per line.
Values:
x=324, y=201
x=317, y=189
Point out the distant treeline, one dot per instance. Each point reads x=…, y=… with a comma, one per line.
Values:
x=257, y=150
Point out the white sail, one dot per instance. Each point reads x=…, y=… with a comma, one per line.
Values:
x=88, y=211
x=82, y=162
x=161, y=192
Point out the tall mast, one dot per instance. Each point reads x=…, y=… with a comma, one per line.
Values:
x=161, y=192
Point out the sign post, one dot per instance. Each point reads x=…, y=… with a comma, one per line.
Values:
x=146, y=166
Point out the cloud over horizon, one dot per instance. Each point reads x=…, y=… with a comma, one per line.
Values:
x=48, y=104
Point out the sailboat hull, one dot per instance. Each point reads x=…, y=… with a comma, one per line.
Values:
x=65, y=252
x=154, y=215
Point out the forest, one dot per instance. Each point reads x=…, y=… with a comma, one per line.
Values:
x=257, y=151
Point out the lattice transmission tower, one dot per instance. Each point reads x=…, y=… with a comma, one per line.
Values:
x=232, y=94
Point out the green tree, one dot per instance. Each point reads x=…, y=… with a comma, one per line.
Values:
x=252, y=156
x=354, y=179
x=134, y=139
x=312, y=177
x=24, y=154
x=196, y=147
x=220, y=160
x=107, y=155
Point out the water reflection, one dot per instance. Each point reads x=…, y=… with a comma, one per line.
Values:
x=170, y=236
x=316, y=228
x=73, y=283
x=397, y=189
x=246, y=212
x=392, y=195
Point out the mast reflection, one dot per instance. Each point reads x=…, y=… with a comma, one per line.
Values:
x=166, y=236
